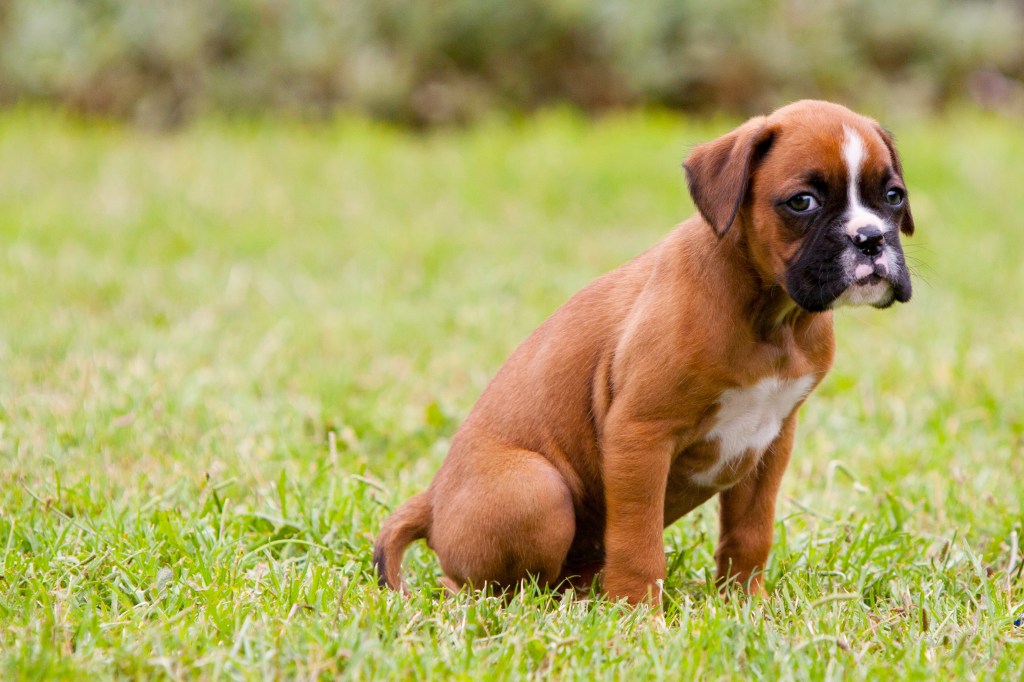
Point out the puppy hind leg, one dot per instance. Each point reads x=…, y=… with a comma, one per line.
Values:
x=504, y=523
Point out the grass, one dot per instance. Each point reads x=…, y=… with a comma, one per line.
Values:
x=226, y=354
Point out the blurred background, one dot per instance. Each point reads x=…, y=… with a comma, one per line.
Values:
x=427, y=62
x=258, y=259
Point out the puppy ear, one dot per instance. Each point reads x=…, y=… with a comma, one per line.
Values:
x=907, y=223
x=718, y=172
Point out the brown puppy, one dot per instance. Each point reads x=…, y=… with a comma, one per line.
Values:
x=677, y=376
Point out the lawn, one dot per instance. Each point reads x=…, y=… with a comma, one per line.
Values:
x=227, y=353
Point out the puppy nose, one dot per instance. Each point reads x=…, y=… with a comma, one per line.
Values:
x=869, y=240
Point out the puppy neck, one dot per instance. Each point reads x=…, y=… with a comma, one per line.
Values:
x=772, y=313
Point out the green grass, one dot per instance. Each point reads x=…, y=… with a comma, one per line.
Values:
x=226, y=354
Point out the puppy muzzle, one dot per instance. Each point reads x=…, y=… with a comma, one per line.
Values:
x=866, y=269
x=876, y=270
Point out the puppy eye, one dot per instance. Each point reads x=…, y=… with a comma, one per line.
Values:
x=802, y=203
x=894, y=197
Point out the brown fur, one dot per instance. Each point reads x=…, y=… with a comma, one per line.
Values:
x=580, y=451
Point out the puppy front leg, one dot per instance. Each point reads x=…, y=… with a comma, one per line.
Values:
x=748, y=516
x=635, y=466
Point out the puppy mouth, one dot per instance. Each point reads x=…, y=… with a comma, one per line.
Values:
x=873, y=278
x=874, y=290
x=872, y=282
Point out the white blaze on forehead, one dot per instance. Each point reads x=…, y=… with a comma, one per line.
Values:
x=853, y=154
x=857, y=216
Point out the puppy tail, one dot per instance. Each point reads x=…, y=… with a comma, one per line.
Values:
x=410, y=522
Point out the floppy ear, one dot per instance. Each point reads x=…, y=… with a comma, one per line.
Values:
x=717, y=172
x=907, y=223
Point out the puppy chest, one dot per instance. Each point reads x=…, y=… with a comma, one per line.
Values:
x=747, y=421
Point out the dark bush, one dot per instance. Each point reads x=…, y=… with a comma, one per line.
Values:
x=161, y=62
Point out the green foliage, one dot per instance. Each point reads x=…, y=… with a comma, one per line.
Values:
x=226, y=353
x=162, y=63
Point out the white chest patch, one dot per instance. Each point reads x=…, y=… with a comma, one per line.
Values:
x=750, y=418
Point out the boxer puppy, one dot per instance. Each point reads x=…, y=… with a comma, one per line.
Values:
x=677, y=376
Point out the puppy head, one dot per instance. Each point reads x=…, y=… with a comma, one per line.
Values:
x=817, y=193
